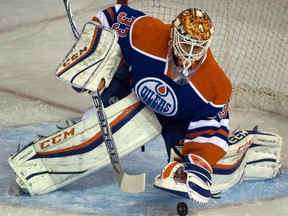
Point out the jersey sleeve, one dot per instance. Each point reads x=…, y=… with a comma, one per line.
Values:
x=208, y=137
x=118, y=17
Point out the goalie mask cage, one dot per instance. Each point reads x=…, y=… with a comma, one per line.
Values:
x=250, y=45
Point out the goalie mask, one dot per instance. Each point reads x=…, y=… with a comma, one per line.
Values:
x=191, y=34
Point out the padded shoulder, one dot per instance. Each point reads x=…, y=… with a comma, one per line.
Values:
x=211, y=81
x=150, y=36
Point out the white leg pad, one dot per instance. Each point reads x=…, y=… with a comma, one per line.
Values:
x=252, y=155
x=52, y=162
x=229, y=170
x=263, y=159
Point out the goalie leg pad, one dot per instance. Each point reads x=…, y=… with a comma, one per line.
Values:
x=252, y=155
x=263, y=158
x=52, y=162
x=229, y=171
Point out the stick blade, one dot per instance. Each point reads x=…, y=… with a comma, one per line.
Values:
x=131, y=183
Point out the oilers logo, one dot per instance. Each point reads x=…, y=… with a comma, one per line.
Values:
x=157, y=95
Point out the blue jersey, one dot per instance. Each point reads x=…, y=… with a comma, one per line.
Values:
x=203, y=101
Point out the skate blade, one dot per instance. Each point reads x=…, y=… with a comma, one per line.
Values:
x=16, y=189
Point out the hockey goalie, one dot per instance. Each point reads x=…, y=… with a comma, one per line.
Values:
x=152, y=78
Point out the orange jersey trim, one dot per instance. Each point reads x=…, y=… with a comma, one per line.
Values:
x=208, y=151
x=111, y=13
x=151, y=36
x=95, y=19
x=211, y=81
x=210, y=132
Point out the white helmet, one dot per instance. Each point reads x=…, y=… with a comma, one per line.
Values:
x=191, y=33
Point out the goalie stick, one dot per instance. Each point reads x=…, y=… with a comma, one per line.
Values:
x=70, y=18
x=126, y=182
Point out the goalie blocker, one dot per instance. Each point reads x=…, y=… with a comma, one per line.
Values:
x=52, y=162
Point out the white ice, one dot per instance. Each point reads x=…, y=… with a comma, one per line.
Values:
x=34, y=38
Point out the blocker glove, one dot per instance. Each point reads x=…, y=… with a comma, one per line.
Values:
x=198, y=181
x=190, y=179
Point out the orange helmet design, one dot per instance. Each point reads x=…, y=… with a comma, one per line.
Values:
x=191, y=33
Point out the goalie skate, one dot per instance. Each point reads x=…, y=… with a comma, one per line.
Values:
x=16, y=189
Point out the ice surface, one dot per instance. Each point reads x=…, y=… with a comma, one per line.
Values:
x=34, y=37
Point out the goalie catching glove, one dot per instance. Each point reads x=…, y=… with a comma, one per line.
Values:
x=191, y=179
x=93, y=58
